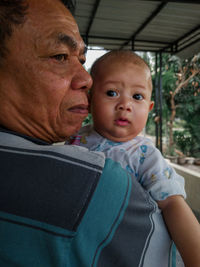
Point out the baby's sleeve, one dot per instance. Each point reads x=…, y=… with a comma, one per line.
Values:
x=158, y=177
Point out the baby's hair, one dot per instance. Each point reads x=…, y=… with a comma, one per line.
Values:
x=124, y=56
x=121, y=55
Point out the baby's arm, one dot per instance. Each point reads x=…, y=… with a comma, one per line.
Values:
x=183, y=227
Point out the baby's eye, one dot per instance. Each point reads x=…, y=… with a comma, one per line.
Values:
x=111, y=93
x=138, y=96
x=60, y=57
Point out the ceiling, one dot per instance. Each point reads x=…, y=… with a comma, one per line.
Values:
x=154, y=26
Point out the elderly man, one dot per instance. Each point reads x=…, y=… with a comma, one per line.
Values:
x=61, y=205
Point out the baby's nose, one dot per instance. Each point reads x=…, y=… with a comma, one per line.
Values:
x=125, y=105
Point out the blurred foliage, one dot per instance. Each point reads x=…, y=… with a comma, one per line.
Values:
x=88, y=120
x=183, y=141
x=187, y=101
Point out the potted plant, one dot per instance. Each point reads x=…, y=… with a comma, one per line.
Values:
x=181, y=157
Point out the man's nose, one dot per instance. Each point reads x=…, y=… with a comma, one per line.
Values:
x=81, y=79
x=125, y=104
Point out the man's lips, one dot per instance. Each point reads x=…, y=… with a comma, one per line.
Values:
x=81, y=109
x=122, y=122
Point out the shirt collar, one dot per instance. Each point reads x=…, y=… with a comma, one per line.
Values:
x=32, y=139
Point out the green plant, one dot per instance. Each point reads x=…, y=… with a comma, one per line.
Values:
x=88, y=119
x=183, y=141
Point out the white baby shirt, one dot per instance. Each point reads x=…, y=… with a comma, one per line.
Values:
x=139, y=157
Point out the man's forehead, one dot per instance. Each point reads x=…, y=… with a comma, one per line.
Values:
x=50, y=11
x=72, y=42
x=55, y=23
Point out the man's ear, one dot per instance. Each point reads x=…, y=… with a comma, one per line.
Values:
x=151, y=105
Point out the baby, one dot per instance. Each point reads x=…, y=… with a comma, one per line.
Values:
x=120, y=101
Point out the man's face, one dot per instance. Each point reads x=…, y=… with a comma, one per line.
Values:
x=45, y=84
x=121, y=100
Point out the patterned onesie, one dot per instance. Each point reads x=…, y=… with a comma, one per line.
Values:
x=139, y=157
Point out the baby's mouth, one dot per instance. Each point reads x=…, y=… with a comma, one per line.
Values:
x=122, y=122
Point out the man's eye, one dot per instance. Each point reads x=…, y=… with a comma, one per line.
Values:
x=138, y=96
x=111, y=93
x=60, y=57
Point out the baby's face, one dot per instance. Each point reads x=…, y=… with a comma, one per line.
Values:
x=121, y=100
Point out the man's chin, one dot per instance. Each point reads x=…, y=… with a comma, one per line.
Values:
x=70, y=130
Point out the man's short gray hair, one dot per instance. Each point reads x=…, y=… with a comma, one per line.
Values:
x=13, y=13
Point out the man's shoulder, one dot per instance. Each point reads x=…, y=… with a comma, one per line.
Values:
x=98, y=206
x=17, y=144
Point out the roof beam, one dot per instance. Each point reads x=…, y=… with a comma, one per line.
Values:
x=125, y=39
x=96, y=5
x=190, y=44
x=182, y=38
x=184, y=1
x=148, y=20
x=188, y=34
x=137, y=49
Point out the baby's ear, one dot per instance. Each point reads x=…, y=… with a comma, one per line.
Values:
x=151, y=105
x=89, y=100
x=89, y=108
